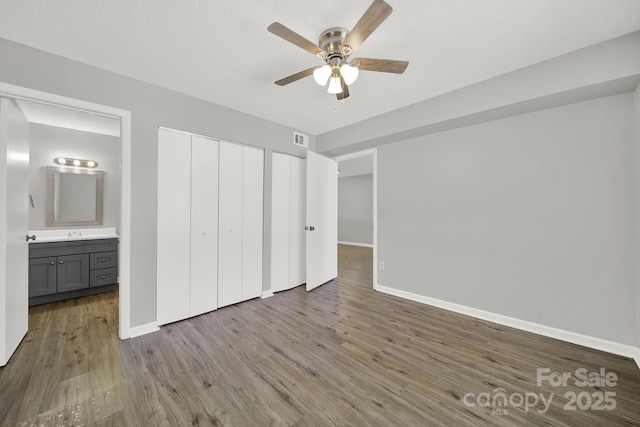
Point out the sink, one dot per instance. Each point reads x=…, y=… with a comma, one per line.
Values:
x=67, y=234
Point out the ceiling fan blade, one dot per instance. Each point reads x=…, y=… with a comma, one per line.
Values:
x=382, y=65
x=345, y=90
x=372, y=18
x=292, y=37
x=295, y=77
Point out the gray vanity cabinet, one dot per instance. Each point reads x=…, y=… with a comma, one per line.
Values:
x=71, y=269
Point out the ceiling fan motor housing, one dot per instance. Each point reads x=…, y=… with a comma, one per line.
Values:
x=331, y=41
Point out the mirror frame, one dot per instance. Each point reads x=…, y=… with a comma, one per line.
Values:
x=50, y=217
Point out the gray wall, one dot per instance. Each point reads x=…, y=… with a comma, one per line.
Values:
x=355, y=209
x=47, y=142
x=531, y=217
x=151, y=107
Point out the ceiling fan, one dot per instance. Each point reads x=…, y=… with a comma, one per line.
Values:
x=335, y=45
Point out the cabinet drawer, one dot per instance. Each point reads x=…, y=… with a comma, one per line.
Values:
x=106, y=276
x=101, y=260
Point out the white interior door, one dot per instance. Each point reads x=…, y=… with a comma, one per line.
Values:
x=322, y=220
x=14, y=224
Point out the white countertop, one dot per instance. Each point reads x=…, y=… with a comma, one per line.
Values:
x=70, y=234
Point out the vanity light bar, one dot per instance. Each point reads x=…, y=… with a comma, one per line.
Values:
x=77, y=163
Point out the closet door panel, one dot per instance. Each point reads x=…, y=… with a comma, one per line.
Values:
x=204, y=225
x=297, y=247
x=280, y=212
x=230, y=224
x=174, y=217
x=252, y=217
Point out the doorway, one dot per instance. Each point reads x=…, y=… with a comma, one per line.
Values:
x=357, y=206
x=124, y=117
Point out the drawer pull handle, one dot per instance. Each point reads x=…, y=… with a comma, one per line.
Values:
x=104, y=260
x=104, y=276
x=53, y=263
x=61, y=262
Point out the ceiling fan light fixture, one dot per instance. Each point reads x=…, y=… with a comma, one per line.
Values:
x=334, y=84
x=321, y=75
x=349, y=73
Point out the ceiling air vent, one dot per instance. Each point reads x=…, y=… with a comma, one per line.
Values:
x=301, y=140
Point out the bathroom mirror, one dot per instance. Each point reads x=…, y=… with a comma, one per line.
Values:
x=74, y=197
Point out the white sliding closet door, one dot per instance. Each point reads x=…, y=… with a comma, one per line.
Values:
x=174, y=218
x=240, y=223
x=280, y=222
x=204, y=225
x=187, y=254
x=252, y=210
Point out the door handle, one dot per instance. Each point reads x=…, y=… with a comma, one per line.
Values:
x=33, y=237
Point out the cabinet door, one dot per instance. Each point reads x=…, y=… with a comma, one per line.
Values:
x=204, y=225
x=42, y=276
x=230, y=224
x=280, y=212
x=174, y=217
x=73, y=272
x=252, y=214
x=297, y=220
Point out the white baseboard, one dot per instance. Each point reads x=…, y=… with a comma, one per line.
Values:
x=266, y=294
x=364, y=245
x=636, y=357
x=547, y=331
x=143, y=329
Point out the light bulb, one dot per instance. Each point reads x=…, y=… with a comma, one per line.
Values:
x=334, y=84
x=321, y=75
x=91, y=163
x=349, y=73
x=76, y=162
x=61, y=160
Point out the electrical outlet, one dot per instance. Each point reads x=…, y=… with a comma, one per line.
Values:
x=381, y=265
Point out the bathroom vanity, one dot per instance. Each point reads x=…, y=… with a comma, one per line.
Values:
x=67, y=264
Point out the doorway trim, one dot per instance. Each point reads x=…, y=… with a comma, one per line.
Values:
x=124, y=269
x=373, y=152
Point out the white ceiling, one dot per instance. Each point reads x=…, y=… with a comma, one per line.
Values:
x=220, y=50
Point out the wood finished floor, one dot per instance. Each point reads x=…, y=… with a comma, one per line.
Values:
x=340, y=355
